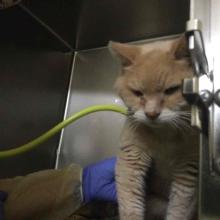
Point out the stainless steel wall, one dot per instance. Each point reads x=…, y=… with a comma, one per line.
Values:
x=86, y=24
x=95, y=136
x=34, y=77
x=128, y=20
x=38, y=41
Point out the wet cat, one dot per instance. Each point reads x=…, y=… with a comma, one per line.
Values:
x=156, y=172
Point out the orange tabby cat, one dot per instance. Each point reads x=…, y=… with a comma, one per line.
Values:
x=156, y=171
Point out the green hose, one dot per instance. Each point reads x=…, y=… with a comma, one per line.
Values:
x=41, y=139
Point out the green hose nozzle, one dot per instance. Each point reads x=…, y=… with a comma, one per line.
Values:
x=44, y=137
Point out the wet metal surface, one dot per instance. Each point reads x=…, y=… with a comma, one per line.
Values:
x=95, y=136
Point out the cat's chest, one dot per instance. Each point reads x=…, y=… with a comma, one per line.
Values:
x=167, y=147
x=170, y=155
x=170, y=152
x=166, y=143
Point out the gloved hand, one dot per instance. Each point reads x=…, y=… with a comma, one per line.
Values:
x=98, y=182
x=3, y=197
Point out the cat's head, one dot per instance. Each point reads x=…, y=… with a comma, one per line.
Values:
x=151, y=77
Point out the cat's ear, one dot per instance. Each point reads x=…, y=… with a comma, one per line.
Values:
x=125, y=52
x=179, y=48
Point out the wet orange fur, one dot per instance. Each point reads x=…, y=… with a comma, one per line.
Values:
x=151, y=73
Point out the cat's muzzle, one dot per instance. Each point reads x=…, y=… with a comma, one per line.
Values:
x=130, y=112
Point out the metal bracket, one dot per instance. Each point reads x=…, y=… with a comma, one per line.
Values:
x=198, y=90
x=203, y=93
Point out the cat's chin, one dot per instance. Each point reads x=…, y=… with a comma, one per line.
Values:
x=153, y=123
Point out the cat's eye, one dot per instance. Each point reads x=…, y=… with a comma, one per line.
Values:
x=137, y=93
x=171, y=90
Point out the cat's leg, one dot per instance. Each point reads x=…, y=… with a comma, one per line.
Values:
x=182, y=203
x=131, y=170
x=183, y=196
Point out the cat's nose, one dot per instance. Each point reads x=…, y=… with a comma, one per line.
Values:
x=152, y=115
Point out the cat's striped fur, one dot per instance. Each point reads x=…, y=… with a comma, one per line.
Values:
x=157, y=166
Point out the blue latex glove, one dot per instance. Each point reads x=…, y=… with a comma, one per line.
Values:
x=98, y=182
x=3, y=197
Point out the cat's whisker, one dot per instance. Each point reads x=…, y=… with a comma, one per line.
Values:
x=172, y=125
x=184, y=113
x=186, y=124
x=133, y=125
x=175, y=123
x=186, y=118
x=182, y=124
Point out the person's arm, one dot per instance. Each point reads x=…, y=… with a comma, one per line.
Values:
x=98, y=182
x=3, y=196
x=42, y=195
x=56, y=194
